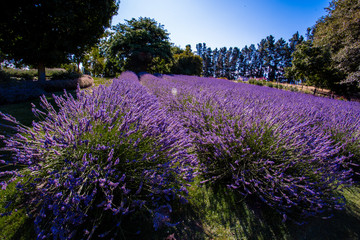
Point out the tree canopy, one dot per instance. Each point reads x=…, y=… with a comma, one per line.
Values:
x=313, y=64
x=47, y=32
x=339, y=31
x=138, y=42
x=187, y=63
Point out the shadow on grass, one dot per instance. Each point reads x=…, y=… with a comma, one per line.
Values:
x=343, y=225
x=217, y=213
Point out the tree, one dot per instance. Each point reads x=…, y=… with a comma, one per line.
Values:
x=227, y=63
x=339, y=31
x=220, y=68
x=208, y=63
x=94, y=62
x=245, y=62
x=313, y=64
x=138, y=42
x=269, y=58
x=187, y=63
x=47, y=32
x=295, y=40
x=233, y=63
x=281, y=58
x=262, y=54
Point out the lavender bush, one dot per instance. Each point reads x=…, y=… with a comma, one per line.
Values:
x=289, y=149
x=100, y=157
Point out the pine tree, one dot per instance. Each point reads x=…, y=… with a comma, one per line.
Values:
x=227, y=63
x=215, y=57
x=295, y=40
x=262, y=54
x=280, y=58
x=233, y=64
x=246, y=61
x=269, y=58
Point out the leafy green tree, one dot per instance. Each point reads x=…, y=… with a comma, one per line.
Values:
x=187, y=63
x=313, y=64
x=94, y=62
x=138, y=42
x=47, y=32
x=339, y=31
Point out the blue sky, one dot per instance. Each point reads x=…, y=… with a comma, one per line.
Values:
x=226, y=23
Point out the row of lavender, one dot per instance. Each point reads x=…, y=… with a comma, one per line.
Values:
x=292, y=151
x=125, y=149
x=97, y=158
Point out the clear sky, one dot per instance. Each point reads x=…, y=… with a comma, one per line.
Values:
x=225, y=23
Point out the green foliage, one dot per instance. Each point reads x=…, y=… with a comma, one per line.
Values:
x=94, y=62
x=137, y=42
x=313, y=64
x=160, y=65
x=252, y=81
x=270, y=84
x=10, y=74
x=187, y=63
x=259, y=83
x=46, y=32
x=339, y=31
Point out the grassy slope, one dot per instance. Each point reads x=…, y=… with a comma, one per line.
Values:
x=212, y=213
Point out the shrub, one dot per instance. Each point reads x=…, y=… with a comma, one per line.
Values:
x=83, y=81
x=102, y=157
x=270, y=144
x=270, y=84
x=64, y=75
x=259, y=83
x=20, y=73
x=293, y=89
x=252, y=81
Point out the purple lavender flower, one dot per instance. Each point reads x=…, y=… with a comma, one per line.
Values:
x=102, y=155
x=289, y=149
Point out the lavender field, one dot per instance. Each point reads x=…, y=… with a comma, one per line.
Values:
x=174, y=153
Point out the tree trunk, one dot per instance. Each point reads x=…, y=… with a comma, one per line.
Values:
x=41, y=72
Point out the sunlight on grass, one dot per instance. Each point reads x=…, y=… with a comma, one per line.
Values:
x=224, y=214
x=102, y=81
